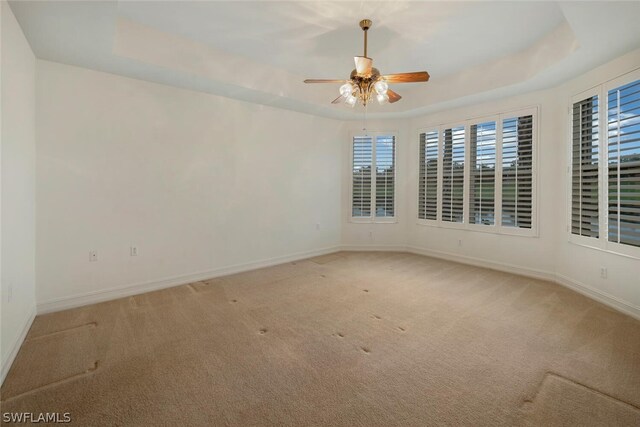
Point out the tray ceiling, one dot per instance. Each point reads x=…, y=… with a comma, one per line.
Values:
x=261, y=51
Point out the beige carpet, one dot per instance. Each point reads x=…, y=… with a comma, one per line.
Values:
x=348, y=339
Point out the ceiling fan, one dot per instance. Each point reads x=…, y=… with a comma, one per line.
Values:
x=365, y=80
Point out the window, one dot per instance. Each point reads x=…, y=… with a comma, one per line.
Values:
x=604, y=209
x=362, y=157
x=385, y=175
x=373, y=152
x=480, y=174
x=482, y=165
x=584, y=162
x=623, y=164
x=428, y=185
x=517, y=171
x=453, y=174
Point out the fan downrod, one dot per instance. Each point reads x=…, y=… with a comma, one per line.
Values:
x=365, y=24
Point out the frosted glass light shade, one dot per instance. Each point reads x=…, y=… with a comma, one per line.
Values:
x=346, y=89
x=381, y=87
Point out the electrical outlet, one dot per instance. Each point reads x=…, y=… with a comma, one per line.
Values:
x=318, y=226
x=603, y=272
x=93, y=256
x=133, y=251
x=371, y=235
x=10, y=293
x=459, y=242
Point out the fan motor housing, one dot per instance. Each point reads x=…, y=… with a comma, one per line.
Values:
x=373, y=77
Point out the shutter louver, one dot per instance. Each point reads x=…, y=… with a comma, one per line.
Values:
x=385, y=176
x=584, y=174
x=428, y=191
x=623, y=121
x=362, y=164
x=453, y=175
x=517, y=172
x=482, y=182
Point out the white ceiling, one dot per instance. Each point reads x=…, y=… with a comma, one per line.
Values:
x=260, y=51
x=312, y=39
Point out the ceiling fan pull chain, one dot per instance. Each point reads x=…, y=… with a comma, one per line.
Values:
x=364, y=121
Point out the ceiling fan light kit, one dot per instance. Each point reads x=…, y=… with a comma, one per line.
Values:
x=366, y=81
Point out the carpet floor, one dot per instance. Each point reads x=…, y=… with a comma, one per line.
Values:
x=347, y=339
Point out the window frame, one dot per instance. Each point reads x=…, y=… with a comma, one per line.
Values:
x=497, y=203
x=497, y=227
x=438, y=174
x=516, y=231
x=576, y=238
x=601, y=243
x=373, y=219
x=465, y=184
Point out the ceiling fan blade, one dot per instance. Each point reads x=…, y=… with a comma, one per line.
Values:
x=363, y=65
x=393, y=97
x=324, y=81
x=339, y=99
x=419, y=76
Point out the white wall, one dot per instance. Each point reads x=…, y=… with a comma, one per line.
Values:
x=17, y=153
x=199, y=183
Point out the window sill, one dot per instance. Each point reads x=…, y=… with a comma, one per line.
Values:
x=631, y=252
x=373, y=221
x=488, y=229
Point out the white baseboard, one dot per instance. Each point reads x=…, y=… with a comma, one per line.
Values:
x=64, y=303
x=365, y=248
x=603, y=297
x=595, y=294
x=479, y=262
x=6, y=364
x=73, y=301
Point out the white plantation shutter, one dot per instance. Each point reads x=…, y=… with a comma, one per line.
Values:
x=428, y=185
x=385, y=175
x=373, y=196
x=623, y=135
x=517, y=172
x=584, y=168
x=482, y=169
x=362, y=165
x=485, y=183
x=453, y=174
